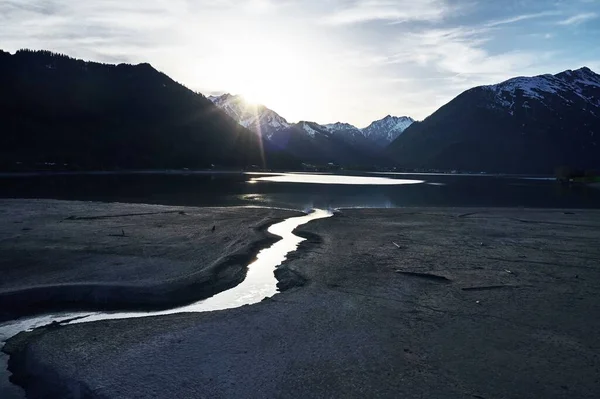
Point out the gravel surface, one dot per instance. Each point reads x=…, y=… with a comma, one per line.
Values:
x=69, y=255
x=412, y=303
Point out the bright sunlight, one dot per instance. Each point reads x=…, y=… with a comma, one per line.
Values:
x=279, y=78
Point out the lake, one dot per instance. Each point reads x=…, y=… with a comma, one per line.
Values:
x=303, y=191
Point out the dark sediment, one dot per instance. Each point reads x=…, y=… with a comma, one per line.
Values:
x=59, y=255
x=358, y=328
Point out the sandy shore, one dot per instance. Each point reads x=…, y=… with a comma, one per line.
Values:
x=69, y=255
x=412, y=303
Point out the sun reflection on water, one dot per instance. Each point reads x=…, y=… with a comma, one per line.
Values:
x=333, y=179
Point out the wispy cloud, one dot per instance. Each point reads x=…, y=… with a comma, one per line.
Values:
x=523, y=17
x=380, y=10
x=406, y=56
x=444, y=49
x=579, y=18
x=106, y=31
x=462, y=56
x=430, y=67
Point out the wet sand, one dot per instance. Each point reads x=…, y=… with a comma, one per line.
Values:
x=67, y=255
x=413, y=303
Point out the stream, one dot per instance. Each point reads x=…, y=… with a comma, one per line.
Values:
x=260, y=283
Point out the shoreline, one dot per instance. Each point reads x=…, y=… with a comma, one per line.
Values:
x=41, y=173
x=203, y=281
x=166, y=295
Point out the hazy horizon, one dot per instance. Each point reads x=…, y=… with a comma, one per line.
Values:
x=324, y=61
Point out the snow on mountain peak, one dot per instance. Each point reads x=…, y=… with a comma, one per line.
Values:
x=255, y=117
x=333, y=127
x=261, y=119
x=308, y=129
x=388, y=129
x=578, y=82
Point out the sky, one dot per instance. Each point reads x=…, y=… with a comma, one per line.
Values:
x=353, y=61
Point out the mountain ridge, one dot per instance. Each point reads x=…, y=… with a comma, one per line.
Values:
x=57, y=110
x=522, y=125
x=382, y=132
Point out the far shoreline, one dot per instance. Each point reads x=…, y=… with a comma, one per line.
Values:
x=183, y=172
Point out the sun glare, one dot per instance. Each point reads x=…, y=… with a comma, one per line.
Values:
x=277, y=86
x=251, y=96
x=278, y=79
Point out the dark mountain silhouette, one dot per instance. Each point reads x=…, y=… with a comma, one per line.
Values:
x=67, y=113
x=523, y=125
x=315, y=144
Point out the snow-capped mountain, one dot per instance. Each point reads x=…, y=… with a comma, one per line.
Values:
x=380, y=133
x=266, y=121
x=310, y=130
x=566, y=88
x=311, y=142
x=315, y=144
x=254, y=117
x=338, y=126
x=350, y=134
x=523, y=125
x=388, y=129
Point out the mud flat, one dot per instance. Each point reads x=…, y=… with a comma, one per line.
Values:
x=67, y=255
x=413, y=303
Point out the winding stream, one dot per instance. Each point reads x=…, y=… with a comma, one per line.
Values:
x=260, y=283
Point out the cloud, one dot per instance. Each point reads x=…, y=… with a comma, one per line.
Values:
x=106, y=31
x=522, y=17
x=579, y=18
x=457, y=50
x=446, y=62
x=405, y=56
x=397, y=11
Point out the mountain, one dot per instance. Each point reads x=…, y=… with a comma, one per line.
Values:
x=67, y=113
x=257, y=118
x=353, y=136
x=315, y=144
x=350, y=145
x=524, y=125
x=309, y=141
x=388, y=129
x=378, y=134
x=340, y=126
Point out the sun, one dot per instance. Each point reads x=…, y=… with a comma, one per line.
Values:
x=279, y=80
x=263, y=83
x=252, y=96
x=278, y=87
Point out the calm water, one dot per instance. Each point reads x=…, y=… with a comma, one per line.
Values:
x=304, y=192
